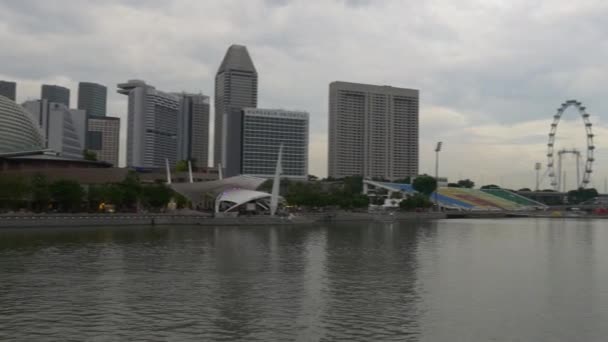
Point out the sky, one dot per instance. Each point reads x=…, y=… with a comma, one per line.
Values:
x=491, y=73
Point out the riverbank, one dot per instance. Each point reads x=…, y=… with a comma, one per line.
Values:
x=202, y=219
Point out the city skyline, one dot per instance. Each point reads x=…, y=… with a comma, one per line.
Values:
x=485, y=92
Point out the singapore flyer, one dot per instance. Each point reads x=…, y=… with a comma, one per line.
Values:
x=555, y=169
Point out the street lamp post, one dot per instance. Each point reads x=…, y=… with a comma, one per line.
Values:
x=437, y=150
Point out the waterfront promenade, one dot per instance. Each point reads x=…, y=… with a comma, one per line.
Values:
x=191, y=218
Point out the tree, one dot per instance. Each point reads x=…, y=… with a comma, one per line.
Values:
x=131, y=190
x=180, y=200
x=581, y=195
x=155, y=196
x=41, y=196
x=353, y=184
x=68, y=194
x=453, y=185
x=89, y=155
x=490, y=186
x=425, y=184
x=313, y=178
x=414, y=202
x=466, y=183
x=13, y=192
x=181, y=166
x=524, y=189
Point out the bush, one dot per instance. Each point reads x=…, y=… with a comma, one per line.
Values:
x=415, y=201
x=67, y=194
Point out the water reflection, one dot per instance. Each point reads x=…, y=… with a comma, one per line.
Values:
x=469, y=280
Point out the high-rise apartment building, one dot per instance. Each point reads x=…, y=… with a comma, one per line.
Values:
x=8, y=89
x=263, y=132
x=193, y=129
x=373, y=131
x=152, y=125
x=103, y=138
x=236, y=87
x=56, y=94
x=92, y=97
x=63, y=129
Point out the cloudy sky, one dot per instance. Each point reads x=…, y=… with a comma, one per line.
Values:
x=491, y=73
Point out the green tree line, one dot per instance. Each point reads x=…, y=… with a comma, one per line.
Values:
x=40, y=195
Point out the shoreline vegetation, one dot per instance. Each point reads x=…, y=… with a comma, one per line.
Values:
x=83, y=220
x=203, y=219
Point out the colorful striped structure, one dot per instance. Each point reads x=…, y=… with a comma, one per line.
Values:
x=472, y=199
x=468, y=199
x=514, y=197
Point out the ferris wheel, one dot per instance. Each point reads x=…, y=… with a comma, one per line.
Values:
x=588, y=170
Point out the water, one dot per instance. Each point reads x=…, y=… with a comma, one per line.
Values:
x=453, y=280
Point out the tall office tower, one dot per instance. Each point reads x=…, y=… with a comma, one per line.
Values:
x=63, y=129
x=8, y=89
x=263, y=132
x=373, y=131
x=193, y=130
x=56, y=94
x=152, y=125
x=236, y=87
x=92, y=97
x=103, y=138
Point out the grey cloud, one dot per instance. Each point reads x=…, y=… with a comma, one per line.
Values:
x=494, y=62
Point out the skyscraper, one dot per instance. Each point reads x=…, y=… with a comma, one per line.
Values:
x=8, y=89
x=63, y=129
x=373, y=131
x=103, y=137
x=236, y=87
x=56, y=94
x=263, y=132
x=152, y=125
x=193, y=129
x=92, y=97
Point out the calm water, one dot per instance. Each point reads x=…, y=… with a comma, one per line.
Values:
x=457, y=280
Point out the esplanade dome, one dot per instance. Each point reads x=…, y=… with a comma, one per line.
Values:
x=17, y=130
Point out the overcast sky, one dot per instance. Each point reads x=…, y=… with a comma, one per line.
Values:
x=491, y=73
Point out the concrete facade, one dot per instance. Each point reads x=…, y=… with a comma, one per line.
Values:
x=236, y=87
x=8, y=90
x=373, y=131
x=193, y=129
x=92, y=97
x=55, y=94
x=103, y=133
x=63, y=129
x=263, y=132
x=152, y=126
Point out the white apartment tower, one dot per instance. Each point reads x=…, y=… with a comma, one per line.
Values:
x=263, y=132
x=152, y=125
x=373, y=131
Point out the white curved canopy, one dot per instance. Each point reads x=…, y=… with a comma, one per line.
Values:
x=194, y=191
x=241, y=196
